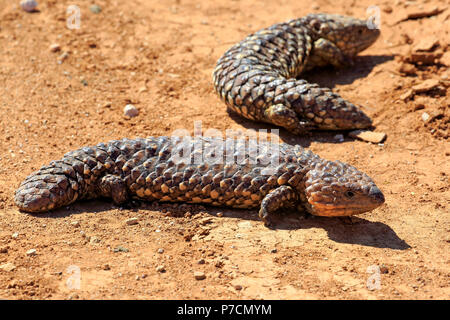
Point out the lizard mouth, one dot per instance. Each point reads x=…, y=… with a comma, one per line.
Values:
x=332, y=210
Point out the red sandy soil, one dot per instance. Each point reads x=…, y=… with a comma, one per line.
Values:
x=159, y=56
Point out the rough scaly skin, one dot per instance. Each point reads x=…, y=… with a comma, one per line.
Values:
x=151, y=169
x=257, y=77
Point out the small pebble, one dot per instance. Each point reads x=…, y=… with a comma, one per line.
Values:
x=106, y=267
x=205, y=221
x=408, y=94
x=95, y=9
x=160, y=269
x=31, y=252
x=121, y=249
x=201, y=261
x=425, y=117
x=160, y=250
x=369, y=136
x=407, y=68
x=274, y=250
x=29, y=5
x=426, y=85
x=132, y=221
x=198, y=275
x=63, y=57
x=94, y=240
x=130, y=111
x=339, y=137
x=75, y=224
x=55, y=47
x=238, y=287
x=7, y=267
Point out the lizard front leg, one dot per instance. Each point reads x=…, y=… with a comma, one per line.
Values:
x=282, y=197
x=326, y=52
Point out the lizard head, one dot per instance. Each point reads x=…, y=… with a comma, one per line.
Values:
x=350, y=35
x=339, y=189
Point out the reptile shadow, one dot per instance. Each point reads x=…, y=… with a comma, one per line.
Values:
x=359, y=231
x=305, y=140
x=329, y=76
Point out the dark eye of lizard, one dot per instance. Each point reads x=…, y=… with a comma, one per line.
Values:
x=349, y=194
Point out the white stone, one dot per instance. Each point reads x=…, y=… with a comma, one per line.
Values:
x=31, y=252
x=130, y=111
x=339, y=137
x=425, y=117
x=28, y=5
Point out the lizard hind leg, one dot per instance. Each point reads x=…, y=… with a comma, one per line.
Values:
x=112, y=186
x=285, y=117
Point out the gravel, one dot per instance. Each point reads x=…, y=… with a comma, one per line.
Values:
x=339, y=137
x=7, y=267
x=55, y=47
x=31, y=252
x=132, y=221
x=95, y=8
x=130, y=111
x=75, y=224
x=28, y=5
x=425, y=117
x=198, y=275
x=369, y=136
x=160, y=269
x=121, y=249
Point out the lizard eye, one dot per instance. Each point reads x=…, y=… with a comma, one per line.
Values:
x=360, y=31
x=349, y=194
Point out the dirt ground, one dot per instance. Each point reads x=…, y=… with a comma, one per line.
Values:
x=159, y=56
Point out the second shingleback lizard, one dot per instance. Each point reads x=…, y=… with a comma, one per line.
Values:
x=257, y=77
x=240, y=176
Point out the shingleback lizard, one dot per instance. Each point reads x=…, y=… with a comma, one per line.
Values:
x=256, y=77
x=154, y=169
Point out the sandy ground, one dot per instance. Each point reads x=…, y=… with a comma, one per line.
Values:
x=159, y=56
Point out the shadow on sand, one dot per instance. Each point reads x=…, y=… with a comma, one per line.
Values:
x=352, y=230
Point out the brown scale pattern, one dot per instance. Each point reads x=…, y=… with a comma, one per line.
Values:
x=257, y=77
x=233, y=174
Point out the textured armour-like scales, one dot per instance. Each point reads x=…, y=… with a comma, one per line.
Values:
x=260, y=71
x=154, y=169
